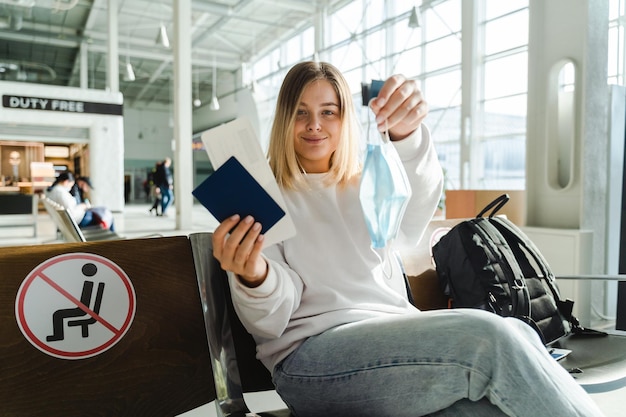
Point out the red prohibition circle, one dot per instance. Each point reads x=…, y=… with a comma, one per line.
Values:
x=39, y=273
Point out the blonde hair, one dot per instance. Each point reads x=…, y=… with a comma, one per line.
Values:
x=344, y=163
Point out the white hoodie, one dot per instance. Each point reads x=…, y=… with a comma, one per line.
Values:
x=328, y=274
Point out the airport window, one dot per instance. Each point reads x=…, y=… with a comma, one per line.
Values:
x=371, y=39
x=501, y=133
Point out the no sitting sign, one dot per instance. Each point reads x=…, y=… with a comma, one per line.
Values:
x=75, y=306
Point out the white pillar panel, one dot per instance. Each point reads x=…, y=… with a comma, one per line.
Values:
x=84, y=65
x=468, y=105
x=566, y=180
x=106, y=162
x=183, y=163
x=113, y=66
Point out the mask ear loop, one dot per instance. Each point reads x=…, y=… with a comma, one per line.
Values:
x=385, y=135
x=388, y=254
x=387, y=274
x=369, y=126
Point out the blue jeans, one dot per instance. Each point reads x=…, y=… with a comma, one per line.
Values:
x=167, y=198
x=89, y=220
x=443, y=363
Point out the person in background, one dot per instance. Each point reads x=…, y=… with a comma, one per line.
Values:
x=148, y=183
x=83, y=213
x=156, y=206
x=165, y=181
x=81, y=189
x=155, y=191
x=330, y=313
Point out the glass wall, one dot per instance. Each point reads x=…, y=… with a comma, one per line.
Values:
x=480, y=127
x=501, y=135
x=616, y=42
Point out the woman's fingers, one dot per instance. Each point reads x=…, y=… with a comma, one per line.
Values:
x=399, y=107
x=243, y=238
x=220, y=235
x=237, y=245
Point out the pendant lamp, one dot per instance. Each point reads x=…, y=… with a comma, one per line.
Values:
x=215, y=105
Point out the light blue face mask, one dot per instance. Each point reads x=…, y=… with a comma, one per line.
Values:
x=384, y=190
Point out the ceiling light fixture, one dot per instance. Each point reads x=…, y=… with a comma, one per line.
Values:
x=130, y=73
x=414, y=21
x=162, y=37
x=197, y=102
x=215, y=105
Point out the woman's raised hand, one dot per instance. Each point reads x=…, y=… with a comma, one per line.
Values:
x=399, y=107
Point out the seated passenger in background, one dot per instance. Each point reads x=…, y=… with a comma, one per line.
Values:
x=80, y=189
x=83, y=213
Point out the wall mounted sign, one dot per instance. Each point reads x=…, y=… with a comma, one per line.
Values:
x=55, y=104
x=75, y=305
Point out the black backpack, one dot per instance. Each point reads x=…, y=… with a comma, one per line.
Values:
x=489, y=263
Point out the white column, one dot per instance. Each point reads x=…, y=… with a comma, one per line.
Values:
x=84, y=65
x=556, y=199
x=469, y=149
x=106, y=162
x=320, y=28
x=183, y=162
x=113, y=68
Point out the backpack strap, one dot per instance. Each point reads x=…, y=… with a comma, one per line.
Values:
x=565, y=306
x=505, y=265
x=511, y=231
x=495, y=204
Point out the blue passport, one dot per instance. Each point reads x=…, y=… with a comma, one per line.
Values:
x=232, y=190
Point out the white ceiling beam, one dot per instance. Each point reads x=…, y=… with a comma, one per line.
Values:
x=213, y=8
x=301, y=6
x=39, y=39
x=227, y=42
x=224, y=60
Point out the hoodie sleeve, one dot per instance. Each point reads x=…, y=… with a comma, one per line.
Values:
x=266, y=310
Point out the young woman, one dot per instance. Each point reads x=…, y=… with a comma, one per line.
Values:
x=330, y=314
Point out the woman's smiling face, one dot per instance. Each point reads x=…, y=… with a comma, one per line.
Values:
x=318, y=126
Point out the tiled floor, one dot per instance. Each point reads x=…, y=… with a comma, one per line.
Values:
x=136, y=221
